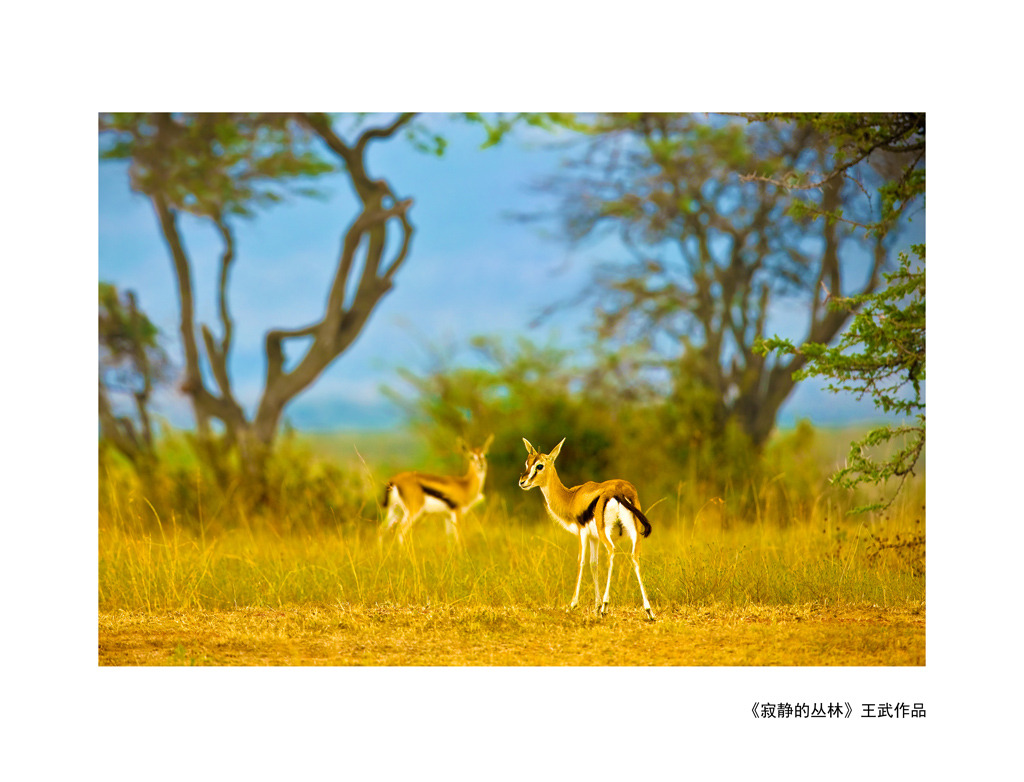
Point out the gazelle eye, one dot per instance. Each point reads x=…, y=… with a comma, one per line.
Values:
x=540, y=467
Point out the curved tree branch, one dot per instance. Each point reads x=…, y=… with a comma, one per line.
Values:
x=205, y=404
x=345, y=313
x=218, y=353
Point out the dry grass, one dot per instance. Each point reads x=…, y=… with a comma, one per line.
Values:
x=793, y=585
x=457, y=636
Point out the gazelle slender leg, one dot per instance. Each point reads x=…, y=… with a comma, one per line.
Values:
x=452, y=527
x=593, y=572
x=643, y=593
x=405, y=526
x=608, y=585
x=394, y=512
x=397, y=515
x=579, y=576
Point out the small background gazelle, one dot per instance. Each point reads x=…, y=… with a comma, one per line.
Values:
x=410, y=495
x=595, y=513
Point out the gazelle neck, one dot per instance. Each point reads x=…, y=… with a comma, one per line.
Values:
x=556, y=496
x=475, y=477
x=557, y=500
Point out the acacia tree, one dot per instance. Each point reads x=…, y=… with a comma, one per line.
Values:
x=713, y=253
x=220, y=167
x=892, y=144
x=131, y=362
x=883, y=352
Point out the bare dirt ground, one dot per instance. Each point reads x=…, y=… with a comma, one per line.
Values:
x=486, y=636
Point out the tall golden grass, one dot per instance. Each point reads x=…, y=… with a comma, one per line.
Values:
x=180, y=544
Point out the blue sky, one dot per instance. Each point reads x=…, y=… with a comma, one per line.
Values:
x=471, y=271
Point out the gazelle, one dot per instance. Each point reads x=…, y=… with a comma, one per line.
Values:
x=411, y=494
x=594, y=512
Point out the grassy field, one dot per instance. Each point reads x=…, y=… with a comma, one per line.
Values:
x=821, y=589
x=479, y=635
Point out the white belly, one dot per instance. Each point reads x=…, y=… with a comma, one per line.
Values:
x=434, y=505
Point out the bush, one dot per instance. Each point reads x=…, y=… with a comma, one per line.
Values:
x=670, y=446
x=296, y=492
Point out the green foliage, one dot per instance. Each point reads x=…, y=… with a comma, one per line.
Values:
x=499, y=125
x=131, y=362
x=216, y=166
x=882, y=354
x=426, y=141
x=616, y=421
x=523, y=391
x=210, y=164
x=297, y=492
x=711, y=248
x=125, y=333
x=892, y=143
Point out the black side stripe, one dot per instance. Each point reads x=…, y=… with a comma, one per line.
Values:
x=586, y=516
x=440, y=495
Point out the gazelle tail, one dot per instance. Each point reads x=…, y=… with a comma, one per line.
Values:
x=637, y=515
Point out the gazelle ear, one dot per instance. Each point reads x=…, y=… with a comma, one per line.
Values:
x=529, y=448
x=554, y=451
x=487, y=443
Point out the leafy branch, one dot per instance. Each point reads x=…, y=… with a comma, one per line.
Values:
x=893, y=143
x=882, y=353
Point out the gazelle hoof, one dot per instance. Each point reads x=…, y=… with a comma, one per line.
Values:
x=650, y=614
x=604, y=608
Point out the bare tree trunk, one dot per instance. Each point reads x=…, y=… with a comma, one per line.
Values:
x=824, y=325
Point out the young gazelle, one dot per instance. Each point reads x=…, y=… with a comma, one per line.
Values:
x=411, y=494
x=594, y=512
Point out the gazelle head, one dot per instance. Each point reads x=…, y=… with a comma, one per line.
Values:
x=477, y=456
x=537, y=465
